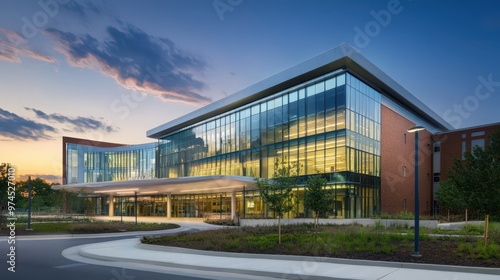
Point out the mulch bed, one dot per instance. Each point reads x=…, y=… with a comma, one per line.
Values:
x=442, y=252
x=434, y=251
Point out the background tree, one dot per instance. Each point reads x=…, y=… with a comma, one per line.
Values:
x=42, y=195
x=277, y=192
x=4, y=174
x=477, y=179
x=4, y=184
x=317, y=197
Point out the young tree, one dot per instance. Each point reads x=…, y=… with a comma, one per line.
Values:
x=277, y=192
x=317, y=197
x=450, y=197
x=477, y=179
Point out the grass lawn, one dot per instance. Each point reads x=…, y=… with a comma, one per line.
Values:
x=341, y=241
x=82, y=227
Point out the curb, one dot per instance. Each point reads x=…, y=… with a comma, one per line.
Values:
x=447, y=268
x=97, y=235
x=82, y=252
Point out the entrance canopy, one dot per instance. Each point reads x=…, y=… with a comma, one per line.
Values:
x=183, y=185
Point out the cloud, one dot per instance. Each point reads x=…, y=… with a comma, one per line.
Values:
x=15, y=127
x=83, y=9
x=137, y=61
x=78, y=124
x=13, y=46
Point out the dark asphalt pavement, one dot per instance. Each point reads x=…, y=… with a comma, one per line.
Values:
x=42, y=259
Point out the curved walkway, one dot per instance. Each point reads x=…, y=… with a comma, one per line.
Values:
x=130, y=253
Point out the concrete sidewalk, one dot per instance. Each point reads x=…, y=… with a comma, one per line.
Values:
x=130, y=253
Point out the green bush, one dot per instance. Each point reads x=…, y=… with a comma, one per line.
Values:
x=378, y=225
x=91, y=227
x=223, y=222
x=479, y=250
x=472, y=229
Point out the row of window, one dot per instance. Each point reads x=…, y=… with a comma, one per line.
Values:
x=313, y=156
x=305, y=117
x=347, y=201
x=99, y=165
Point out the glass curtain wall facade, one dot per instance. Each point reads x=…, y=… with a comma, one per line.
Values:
x=329, y=125
x=87, y=164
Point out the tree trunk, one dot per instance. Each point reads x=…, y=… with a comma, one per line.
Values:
x=316, y=220
x=279, y=230
x=486, y=228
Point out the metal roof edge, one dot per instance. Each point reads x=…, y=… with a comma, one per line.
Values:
x=343, y=56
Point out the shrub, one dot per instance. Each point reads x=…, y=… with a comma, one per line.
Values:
x=473, y=229
x=378, y=225
x=479, y=250
x=223, y=222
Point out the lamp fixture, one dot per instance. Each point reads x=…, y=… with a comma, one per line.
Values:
x=415, y=129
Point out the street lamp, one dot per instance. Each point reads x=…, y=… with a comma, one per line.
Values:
x=29, y=204
x=220, y=207
x=416, y=251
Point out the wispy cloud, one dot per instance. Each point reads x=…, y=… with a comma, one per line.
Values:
x=90, y=36
x=13, y=46
x=15, y=127
x=83, y=9
x=137, y=61
x=78, y=124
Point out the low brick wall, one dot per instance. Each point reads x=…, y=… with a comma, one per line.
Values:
x=364, y=222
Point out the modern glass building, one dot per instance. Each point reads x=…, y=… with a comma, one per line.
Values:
x=89, y=164
x=330, y=115
x=329, y=125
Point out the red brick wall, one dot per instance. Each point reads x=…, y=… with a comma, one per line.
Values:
x=395, y=155
x=451, y=144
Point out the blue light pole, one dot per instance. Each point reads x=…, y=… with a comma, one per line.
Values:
x=416, y=250
x=29, y=203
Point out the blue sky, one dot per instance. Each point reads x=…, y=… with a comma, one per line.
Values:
x=110, y=70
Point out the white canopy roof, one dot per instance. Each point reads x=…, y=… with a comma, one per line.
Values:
x=183, y=185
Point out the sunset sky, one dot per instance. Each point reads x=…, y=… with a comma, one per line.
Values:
x=110, y=70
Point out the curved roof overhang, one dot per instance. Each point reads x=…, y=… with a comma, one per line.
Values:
x=343, y=58
x=183, y=185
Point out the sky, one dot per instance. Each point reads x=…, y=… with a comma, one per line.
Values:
x=111, y=70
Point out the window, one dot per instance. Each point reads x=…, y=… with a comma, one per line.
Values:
x=463, y=136
x=477, y=142
x=437, y=147
x=464, y=149
x=405, y=137
x=404, y=171
x=437, y=177
x=478, y=133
